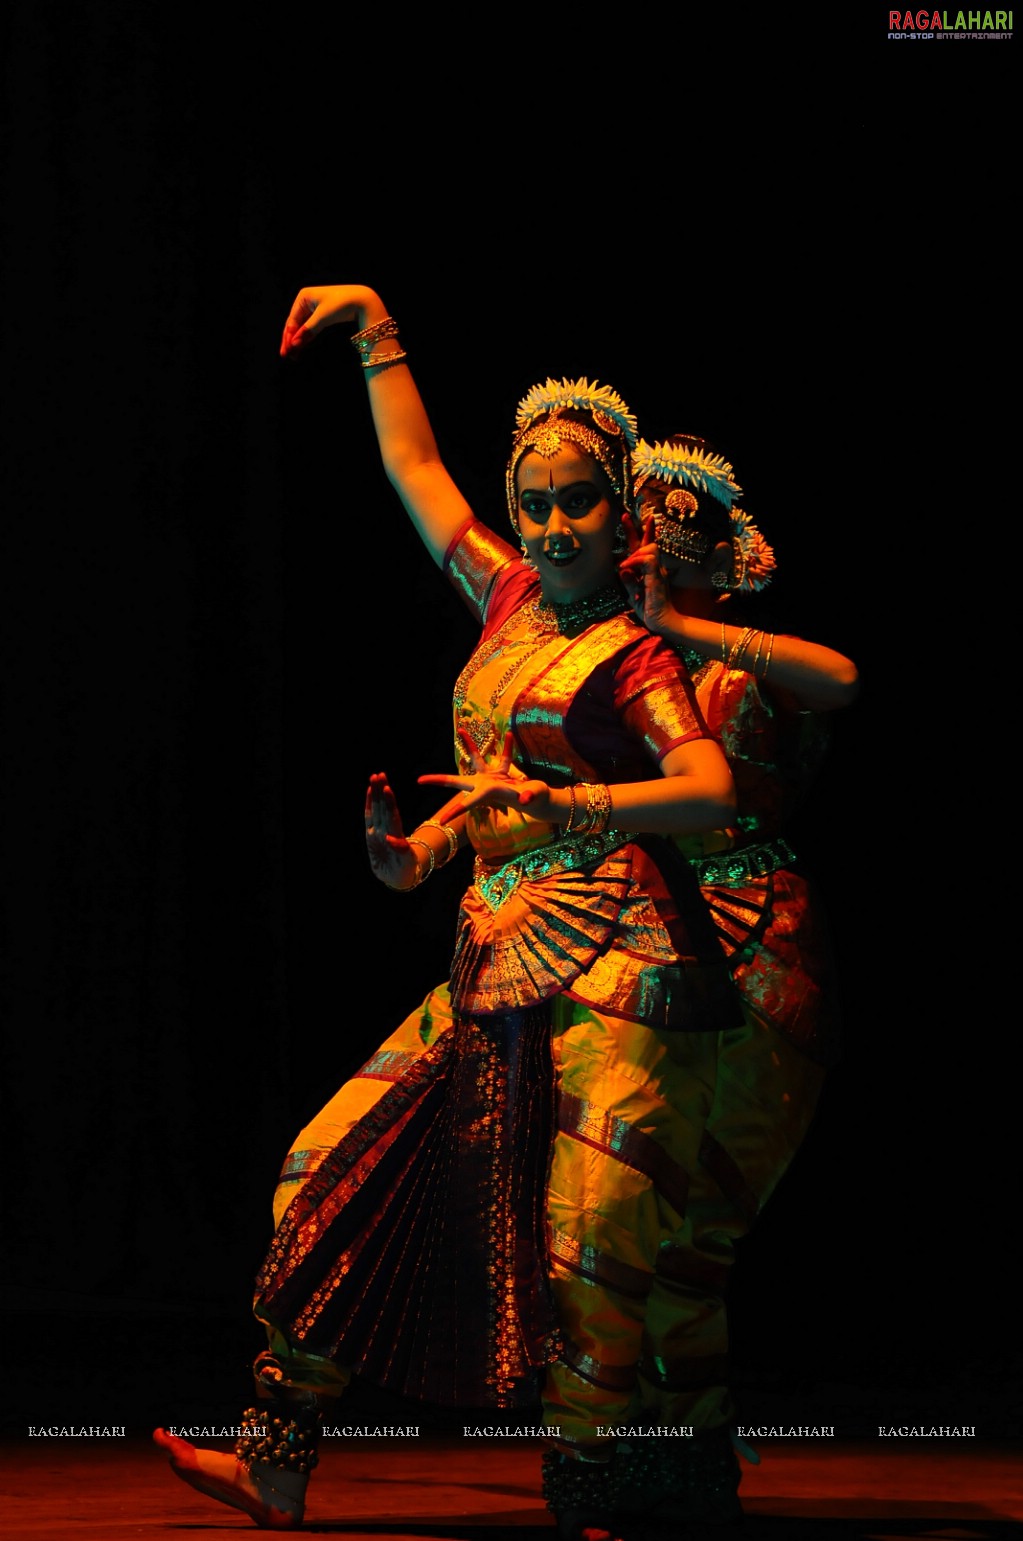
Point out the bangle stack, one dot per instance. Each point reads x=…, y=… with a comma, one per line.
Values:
x=448, y=833
x=422, y=873
x=598, y=810
x=740, y=647
x=745, y=642
x=365, y=341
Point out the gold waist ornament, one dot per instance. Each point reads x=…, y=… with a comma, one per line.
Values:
x=495, y=885
x=730, y=869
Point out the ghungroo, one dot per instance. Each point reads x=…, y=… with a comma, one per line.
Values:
x=280, y=1434
x=580, y=1494
x=678, y=1480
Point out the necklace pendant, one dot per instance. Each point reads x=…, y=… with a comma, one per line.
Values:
x=481, y=732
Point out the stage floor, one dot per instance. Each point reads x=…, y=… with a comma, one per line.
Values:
x=455, y=1490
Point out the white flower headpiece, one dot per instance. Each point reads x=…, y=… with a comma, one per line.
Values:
x=560, y=395
x=690, y=465
x=540, y=425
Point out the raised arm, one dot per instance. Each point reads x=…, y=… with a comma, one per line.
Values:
x=408, y=448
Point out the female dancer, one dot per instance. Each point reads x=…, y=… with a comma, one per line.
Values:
x=475, y=1218
x=763, y=696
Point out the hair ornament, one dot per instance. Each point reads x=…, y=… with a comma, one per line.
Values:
x=692, y=464
x=754, y=558
x=676, y=527
x=679, y=529
x=607, y=408
x=541, y=425
x=682, y=503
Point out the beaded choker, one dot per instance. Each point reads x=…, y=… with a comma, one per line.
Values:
x=576, y=614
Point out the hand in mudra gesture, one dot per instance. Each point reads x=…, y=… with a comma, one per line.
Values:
x=645, y=580
x=391, y=858
x=325, y=305
x=497, y=785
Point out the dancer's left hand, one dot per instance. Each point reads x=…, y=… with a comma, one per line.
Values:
x=391, y=858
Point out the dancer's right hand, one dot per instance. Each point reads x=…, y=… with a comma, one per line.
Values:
x=646, y=583
x=391, y=858
x=325, y=305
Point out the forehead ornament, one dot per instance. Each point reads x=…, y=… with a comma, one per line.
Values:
x=682, y=503
x=604, y=405
x=540, y=426
x=675, y=530
x=546, y=440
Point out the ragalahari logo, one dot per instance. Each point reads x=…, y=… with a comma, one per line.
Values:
x=930, y=26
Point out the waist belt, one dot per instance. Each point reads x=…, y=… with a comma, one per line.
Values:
x=494, y=884
x=731, y=869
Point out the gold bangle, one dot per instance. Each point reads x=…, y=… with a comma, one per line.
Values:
x=383, y=358
x=363, y=341
x=756, y=658
x=602, y=812
x=741, y=646
x=419, y=878
x=767, y=660
x=724, y=645
x=445, y=829
x=586, y=820
x=410, y=887
x=430, y=856
x=598, y=808
x=571, y=808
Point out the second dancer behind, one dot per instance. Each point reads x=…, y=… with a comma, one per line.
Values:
x=701, y=564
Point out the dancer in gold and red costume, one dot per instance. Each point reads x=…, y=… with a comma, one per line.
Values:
x=476, y=1218
x=766, y=698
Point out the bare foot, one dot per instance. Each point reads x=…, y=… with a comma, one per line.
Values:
x=274, y=1499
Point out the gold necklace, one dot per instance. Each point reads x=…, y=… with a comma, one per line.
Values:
x=538, y=633
x=543, y=620
x=566, y=615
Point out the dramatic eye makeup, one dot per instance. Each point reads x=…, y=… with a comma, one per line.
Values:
x=576, y=499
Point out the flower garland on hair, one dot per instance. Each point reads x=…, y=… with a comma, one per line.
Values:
x=582, y=395
x=753, y=559
x=541, y=425
x=692, y=465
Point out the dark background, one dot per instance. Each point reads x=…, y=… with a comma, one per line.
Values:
x=216, y=624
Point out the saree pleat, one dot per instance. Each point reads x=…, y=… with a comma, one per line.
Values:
x=416, y=1252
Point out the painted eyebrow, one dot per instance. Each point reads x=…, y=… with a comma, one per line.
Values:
x=568, y=487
